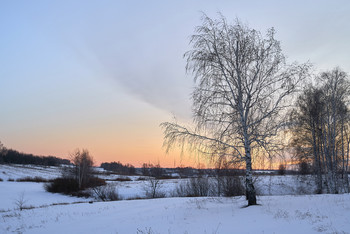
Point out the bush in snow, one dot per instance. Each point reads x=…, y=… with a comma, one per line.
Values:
x=281, y=169
x=36, y=179
x=70, y=186
x=229, y=186
x=152, y=187
x=194, y=187
x=77, y=178
x=106, y=193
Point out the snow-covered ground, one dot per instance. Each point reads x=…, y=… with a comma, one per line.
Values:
x=32, y=194
x=276, y=214
x=55, y=213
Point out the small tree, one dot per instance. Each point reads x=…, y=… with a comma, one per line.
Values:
x=82, y=170
x=153, y=187
x=2, y=149
x=281, y=169
x=21, y=201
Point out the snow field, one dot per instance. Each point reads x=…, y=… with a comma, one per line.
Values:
x=285, y=212
x=276, y=214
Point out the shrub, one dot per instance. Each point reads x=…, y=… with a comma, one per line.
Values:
x=195, y=187
x=181, y=190
x=10, y=180
x=281, y=169
x=62, y=185
x=1, y=179
x=199, y=187
x=106, y=193
x=230, y=186
x=36, y=179
x=70, y=186
x=153, y=187
x=121, y=179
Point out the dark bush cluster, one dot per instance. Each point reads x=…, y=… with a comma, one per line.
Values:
x=227, y=186
x=70, y=186
x=194, y=187
x=36, y=179
x=62, y=185
x=281, y=169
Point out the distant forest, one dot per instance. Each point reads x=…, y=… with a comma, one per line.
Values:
x=118, y=167
x=15, y=157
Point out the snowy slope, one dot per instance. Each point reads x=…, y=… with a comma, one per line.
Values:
x=14, y=171
x=33, y=194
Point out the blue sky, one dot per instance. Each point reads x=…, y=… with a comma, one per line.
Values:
x=103, y=75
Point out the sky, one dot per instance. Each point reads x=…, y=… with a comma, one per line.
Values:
x=102, y=75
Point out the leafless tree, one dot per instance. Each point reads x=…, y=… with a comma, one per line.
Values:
x=242, y=82
x=21, y=201
x=82, y=170
x=307, y=119
x=2, y=149
x=152, y=188
x=321, y=130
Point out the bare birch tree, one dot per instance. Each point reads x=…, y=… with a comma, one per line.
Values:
x=242, y=82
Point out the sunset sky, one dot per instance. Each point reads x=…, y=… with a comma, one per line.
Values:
x=102, y=75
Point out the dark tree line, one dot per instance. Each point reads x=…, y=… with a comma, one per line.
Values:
x=321, y=136
x=119, y=168
x=15, y=157
x=148, y=169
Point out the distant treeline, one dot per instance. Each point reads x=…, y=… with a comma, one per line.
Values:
x=119, y=168
x=15, y=157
